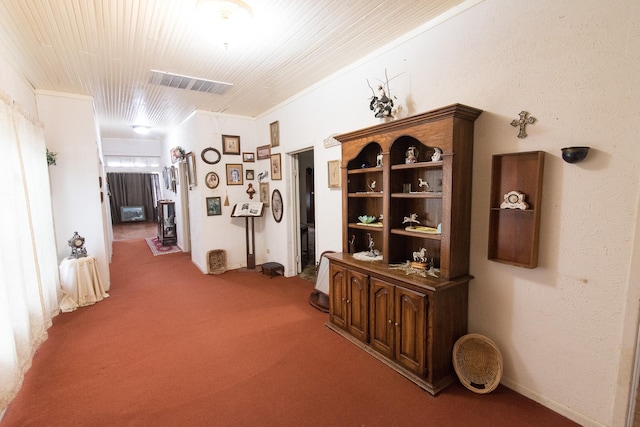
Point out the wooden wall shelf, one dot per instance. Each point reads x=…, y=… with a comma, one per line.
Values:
x=514, y=233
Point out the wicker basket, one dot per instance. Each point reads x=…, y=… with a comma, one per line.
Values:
x=216, y=261
x=478, y=363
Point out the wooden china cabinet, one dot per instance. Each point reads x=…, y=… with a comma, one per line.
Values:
x=419, y=165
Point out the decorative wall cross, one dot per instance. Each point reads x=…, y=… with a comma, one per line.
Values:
x=522, y=122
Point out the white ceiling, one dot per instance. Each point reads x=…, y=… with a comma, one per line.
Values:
x=107, y=48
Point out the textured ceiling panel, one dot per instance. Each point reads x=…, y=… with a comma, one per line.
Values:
x=108, y=48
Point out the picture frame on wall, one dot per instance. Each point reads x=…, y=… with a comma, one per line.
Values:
x=264, y=193
x=191, y=169
x=276, y=167
x=248, y=157
x=234, y=174
x=230, y=144
x=277, y=206
x=249, y=175
x=263, y=152
x=214, y=206
x=274, y=129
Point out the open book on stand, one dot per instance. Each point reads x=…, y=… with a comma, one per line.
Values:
x=248, y=209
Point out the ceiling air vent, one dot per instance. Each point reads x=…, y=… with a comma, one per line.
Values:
x=177, y=81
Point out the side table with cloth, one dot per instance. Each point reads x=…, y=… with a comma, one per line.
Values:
x=80, y=283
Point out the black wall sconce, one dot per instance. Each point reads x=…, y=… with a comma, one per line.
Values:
x=574, y=154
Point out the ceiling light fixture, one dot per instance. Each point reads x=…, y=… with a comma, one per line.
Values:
x=141, y=130
x=224, y=21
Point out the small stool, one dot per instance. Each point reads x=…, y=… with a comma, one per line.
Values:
x=272, y=269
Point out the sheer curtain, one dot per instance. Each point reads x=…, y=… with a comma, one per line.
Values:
x=29, y=280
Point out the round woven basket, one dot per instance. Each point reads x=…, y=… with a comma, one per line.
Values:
x=216, y=261
x=478, y=363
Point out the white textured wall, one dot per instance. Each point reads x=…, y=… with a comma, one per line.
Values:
x=70, y=131
x=565, y=328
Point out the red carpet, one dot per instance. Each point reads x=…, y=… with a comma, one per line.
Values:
x=172, y=346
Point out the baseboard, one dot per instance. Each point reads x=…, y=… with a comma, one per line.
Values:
x=581, y=419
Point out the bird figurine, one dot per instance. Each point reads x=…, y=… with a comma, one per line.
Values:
x=422, y=183
x=372, y=186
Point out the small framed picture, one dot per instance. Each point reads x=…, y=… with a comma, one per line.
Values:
x=214, y=207
x=191, y=169
x=274, y=128
x=264, y=193
x=264, y=152
x=276, y=167
x=234, y=174
x=277, y=207
x=212, y=180
x=248, y=157
x=230, y=144
x=334, y=173
x=249, y=175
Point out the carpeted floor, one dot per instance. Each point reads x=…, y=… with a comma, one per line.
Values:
x=172, y=346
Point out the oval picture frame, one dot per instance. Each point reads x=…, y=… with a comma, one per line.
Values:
x=212, y=180
x=276, y=205
x=209, y=154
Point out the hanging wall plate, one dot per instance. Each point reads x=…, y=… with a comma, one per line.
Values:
x=210, y=155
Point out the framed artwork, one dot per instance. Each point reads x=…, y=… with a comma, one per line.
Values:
x=230, y=144
x=276, y=167
x=210, y=156
x=212, y=180
x=191, y=169
x=276, y=205
x=334, y=173
x=234, y=174
x=166, y=177
x=173, y=173
x=264, y=193
x=248, y=157
x=274, y=128
x=214, y=206
x=263, y=152
x=249, y=175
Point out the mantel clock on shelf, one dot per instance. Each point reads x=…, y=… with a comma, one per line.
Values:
x=77, y=246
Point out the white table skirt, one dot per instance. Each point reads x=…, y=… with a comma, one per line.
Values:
x=80, y=283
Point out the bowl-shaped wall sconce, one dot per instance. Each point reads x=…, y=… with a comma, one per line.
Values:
x=574, y=154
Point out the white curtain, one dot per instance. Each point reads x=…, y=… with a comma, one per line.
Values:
x=29, y=280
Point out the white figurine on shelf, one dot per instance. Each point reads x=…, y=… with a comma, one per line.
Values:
x=372, y=186
x=422, y=183
x=437, y=155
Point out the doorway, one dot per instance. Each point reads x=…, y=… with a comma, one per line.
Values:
x=306, y=212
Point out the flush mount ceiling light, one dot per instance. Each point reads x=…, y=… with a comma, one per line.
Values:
x=225, y=22
x=141, y=130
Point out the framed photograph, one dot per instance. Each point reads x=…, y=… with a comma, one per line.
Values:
x=249, y=175
x=263, y=152
x=264, y=193
x=191, y=169
x=230, y=144
x=334, y=173
x=276, y=205
x=274, y=128
x=212, y=180
x=214, y=206
x=234, y=174
x=276, y=167
x=248, y=157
